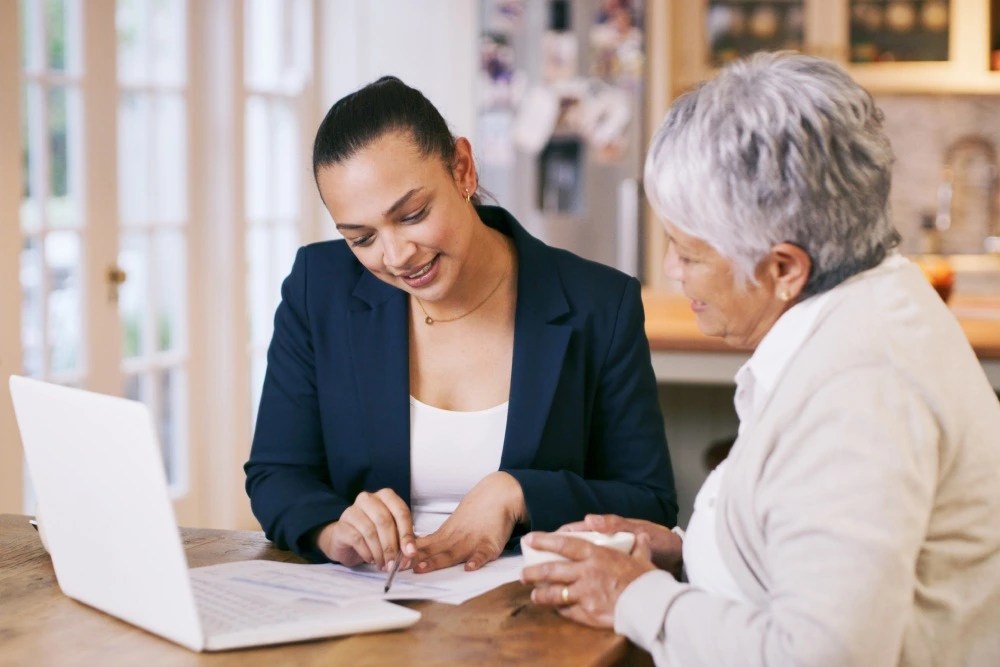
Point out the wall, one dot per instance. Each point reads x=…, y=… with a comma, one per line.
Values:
x=921, y=128
x=432, y=45
x=695, y=416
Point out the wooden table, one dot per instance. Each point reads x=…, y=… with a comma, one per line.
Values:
x=682, y=354
x=40, y=626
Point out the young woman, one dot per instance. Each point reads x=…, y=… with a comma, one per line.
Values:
x=439, y=381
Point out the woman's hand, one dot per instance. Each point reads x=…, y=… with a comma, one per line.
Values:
x=665, y=545
x=478, y=529
x=586, y=586
x=376, y=529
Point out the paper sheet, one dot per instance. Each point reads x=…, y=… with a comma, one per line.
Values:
x=342, y=585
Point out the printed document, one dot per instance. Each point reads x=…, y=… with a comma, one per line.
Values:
x=341, y=585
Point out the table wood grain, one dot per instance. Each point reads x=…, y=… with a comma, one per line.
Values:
x=40, y=626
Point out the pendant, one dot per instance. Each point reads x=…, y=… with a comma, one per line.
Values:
x=428, y=320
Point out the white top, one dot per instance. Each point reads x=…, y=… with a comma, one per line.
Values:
x=755, y=381
x=703, y=563
x=450, y=452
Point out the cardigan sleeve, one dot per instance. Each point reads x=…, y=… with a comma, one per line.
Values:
x=286, y=474
x=628, y=468
x=842, y=504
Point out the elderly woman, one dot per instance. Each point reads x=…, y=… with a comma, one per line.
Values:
x=855, y=521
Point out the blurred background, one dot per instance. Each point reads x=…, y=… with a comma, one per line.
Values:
x=155, y=176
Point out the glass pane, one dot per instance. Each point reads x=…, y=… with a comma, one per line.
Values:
x=63, y=205
x=259, y=285
x=132, y=388
x=171, y=391
x=134, y=157
x=258, y=136
x=31, y=213
x=55, y=33
x=258, y=366
x=285, y=168
x=284, y=243
x=171, y=288
x=65, y=331
x=299, y=44
x=133, y=258
x=169, y=159
x=168, y=43
x=264, y=45
x=884, y=31
x=139, y=386
x=131, y=21
x=166, y=431
x=278, y=45
x=31, y=44
x=32, y=307
x=738, y=28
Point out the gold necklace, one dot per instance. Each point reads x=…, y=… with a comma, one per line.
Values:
x=430, y=320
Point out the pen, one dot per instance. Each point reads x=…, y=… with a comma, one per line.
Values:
x=392, y=572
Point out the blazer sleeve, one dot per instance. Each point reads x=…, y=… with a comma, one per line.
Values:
x=286, y=474
x=628, y=468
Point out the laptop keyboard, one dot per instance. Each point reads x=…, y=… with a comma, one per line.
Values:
x=224, y=610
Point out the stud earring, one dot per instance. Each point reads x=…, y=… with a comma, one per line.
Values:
x=784, y=295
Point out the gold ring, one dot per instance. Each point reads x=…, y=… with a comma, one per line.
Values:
x=565, y=595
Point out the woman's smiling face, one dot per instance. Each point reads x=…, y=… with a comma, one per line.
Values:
x=403, y=214
x=739, y=314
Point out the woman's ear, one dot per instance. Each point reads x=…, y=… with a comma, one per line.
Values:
x=464, y=166
x=790, y=266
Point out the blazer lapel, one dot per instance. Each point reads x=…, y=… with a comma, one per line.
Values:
x=379, y=349
x=540, y=343
x=379, y=340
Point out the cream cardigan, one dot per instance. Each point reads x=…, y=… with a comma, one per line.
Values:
x=861, y=512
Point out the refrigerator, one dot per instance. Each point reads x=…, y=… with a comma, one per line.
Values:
x=559, y=131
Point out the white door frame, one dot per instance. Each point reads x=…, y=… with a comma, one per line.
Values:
x=11, y=458
x=220, y=426
x=99, y=87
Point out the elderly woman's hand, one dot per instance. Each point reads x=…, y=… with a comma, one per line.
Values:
x=586, y=586
x=666, y=545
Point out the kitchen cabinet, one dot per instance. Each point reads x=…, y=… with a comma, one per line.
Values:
x=826, y=31
x=679, y=56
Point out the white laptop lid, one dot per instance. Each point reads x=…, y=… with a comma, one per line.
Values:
x=109, y=525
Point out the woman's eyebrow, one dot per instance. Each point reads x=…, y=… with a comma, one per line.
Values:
x=401, y=202
x=398, y=204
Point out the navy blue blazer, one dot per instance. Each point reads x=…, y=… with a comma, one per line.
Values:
x=584, y=428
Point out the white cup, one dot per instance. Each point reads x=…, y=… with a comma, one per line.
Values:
x=620, y=541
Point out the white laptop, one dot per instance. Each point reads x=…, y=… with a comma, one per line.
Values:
x=110, y=529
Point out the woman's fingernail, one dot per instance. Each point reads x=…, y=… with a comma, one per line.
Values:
x=421, y=566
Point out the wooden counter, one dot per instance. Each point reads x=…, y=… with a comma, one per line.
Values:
x=681, y=353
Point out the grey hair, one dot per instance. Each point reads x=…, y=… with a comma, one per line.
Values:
x=779, y=147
